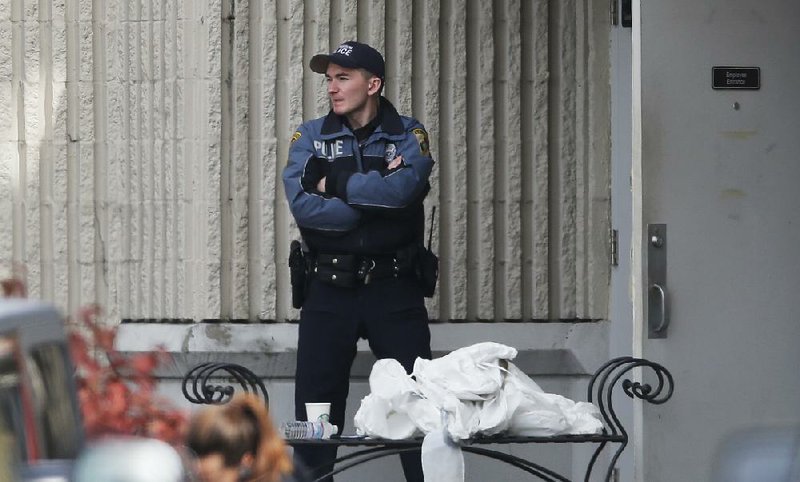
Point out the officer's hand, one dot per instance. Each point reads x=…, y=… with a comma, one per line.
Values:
x=321, y=185
x=315, y=170
x=395, y=163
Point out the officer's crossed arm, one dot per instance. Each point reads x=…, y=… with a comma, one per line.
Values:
x=309, y=206
x=400, y=185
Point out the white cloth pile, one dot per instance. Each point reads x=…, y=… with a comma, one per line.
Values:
x=472, y=390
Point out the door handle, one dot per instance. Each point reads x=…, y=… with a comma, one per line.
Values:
x=662, y=320
x=657, y=300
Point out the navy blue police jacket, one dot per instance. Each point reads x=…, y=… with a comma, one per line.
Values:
x=367, y=209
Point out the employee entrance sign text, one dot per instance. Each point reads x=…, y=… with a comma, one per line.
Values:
x=748, y=78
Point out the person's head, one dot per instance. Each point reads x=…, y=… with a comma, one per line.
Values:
x=237, y=441
x=355, y=73
x=128, y=459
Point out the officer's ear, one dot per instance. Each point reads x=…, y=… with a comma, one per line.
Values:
x=375, y=85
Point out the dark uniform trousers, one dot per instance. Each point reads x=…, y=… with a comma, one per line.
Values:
x=390, y=313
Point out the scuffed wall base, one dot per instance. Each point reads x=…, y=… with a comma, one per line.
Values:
x=564, y=349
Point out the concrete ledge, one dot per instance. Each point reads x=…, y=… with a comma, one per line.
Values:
x=558, y=349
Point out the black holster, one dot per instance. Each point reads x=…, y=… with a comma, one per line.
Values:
x=298, y=271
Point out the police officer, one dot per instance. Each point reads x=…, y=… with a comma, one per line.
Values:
x=355, y=182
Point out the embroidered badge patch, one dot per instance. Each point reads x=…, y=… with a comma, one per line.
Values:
x=422, y=138
x=295, y=136
x=390, y=153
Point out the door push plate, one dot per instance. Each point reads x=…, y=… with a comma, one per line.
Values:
x=657, y=299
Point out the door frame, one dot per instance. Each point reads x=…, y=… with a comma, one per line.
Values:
x=626, y=297
x=637, y=229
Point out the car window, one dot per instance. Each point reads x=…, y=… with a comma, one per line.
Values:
x=55, y=410
x=13, y=446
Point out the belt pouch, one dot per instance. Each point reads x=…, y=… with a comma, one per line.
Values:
x=421, y=261
x=428, y=271
x=337, y=269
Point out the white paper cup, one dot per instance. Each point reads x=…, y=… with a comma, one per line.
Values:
x=318, y=411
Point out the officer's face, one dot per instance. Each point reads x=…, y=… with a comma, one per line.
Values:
x=349, y=89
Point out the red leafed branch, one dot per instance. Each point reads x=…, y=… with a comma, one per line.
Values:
x=116, y=393
x=14, y=286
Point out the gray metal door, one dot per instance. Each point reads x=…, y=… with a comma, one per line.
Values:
x=720, y=169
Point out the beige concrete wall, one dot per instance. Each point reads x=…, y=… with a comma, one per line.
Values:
x=141, y=143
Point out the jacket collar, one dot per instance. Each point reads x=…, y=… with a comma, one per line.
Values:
x=391, y=124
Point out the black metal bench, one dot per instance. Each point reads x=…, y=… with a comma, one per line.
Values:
x=198, y=388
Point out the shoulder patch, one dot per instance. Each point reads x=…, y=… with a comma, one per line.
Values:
x=295, y=136
x=422, y=138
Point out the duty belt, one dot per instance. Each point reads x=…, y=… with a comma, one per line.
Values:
x=348, y=270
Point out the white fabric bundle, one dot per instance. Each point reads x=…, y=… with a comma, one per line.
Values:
x=478, y=390
x=472, y=390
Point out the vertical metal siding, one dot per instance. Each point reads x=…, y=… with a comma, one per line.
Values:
x=142, y=143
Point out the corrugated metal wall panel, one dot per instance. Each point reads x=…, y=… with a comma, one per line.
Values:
x=451, y=156
x=143, y=141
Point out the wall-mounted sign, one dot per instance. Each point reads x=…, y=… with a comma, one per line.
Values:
x=736, y=78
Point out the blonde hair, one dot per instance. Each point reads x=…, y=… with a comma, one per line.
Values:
x=239, y=427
